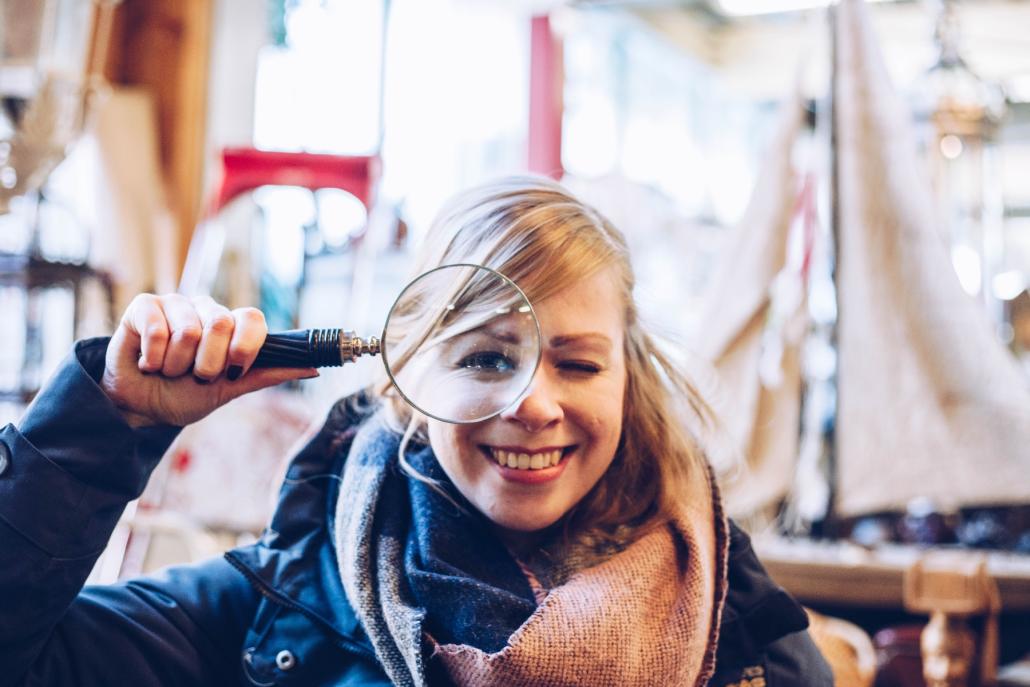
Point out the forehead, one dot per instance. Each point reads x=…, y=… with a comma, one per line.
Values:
x=590, y=305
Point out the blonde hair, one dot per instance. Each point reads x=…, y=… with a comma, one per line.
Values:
x=538, y=234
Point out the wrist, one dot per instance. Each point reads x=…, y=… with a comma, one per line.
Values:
x=136, y=420
x=109, y=385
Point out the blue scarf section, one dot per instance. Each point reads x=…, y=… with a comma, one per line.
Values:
x=412, y=562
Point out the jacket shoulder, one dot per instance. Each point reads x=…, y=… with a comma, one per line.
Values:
x=763, y=638
x=311, y=481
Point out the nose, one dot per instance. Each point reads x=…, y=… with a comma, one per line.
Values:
x=540, y=406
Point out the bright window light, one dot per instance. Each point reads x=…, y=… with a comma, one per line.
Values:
x=1008, y=285
x=748, y=8
x=967, y=265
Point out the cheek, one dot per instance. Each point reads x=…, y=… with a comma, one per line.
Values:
x=608, y=429
x=444, y=444
x=601, y=424
x=601, y=419
x=453, y=449
x=608, y=416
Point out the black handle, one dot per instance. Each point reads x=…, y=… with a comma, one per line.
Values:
x=301, y=348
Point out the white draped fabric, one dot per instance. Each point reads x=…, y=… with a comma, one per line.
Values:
x=760, y=419
x=930, y=402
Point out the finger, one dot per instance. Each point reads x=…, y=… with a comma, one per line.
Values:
x=217, y=325
x=144, y=332
x=263, y=377
x=247, y=338
x=185, y=333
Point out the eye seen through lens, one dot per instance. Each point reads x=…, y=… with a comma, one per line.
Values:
x=486, y=362
x=461, y=343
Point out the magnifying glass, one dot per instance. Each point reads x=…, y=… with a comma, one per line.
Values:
x=461, y=344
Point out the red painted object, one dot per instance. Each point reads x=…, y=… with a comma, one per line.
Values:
x=245, y=169
x=182, y=461
x=546, y=82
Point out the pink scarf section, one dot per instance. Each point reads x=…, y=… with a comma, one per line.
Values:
x=647, y=616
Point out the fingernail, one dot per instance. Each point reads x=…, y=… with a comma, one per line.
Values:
x=234, y=372
x=201, y=380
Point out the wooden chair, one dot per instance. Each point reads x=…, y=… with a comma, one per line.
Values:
x=846, y=647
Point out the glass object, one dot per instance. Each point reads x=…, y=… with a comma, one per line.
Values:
x=960, y=114
x=45, y=79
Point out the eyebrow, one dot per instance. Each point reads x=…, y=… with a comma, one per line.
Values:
x=594, y=338
x=500, y=334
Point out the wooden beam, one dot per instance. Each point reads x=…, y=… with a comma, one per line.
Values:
x=164, y=45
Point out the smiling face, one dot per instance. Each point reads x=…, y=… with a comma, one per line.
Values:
x=527, y=467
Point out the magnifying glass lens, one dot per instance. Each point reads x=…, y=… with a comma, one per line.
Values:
x=461, y=343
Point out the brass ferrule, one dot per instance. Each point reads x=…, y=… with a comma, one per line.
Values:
x=353, y=347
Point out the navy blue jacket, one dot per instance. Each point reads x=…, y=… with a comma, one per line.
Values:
x=270, y=613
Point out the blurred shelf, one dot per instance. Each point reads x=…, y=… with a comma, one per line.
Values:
x=31, y=271
x=844, y=574
x=11, y=396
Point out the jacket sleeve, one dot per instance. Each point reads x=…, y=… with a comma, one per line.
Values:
x=66, y=473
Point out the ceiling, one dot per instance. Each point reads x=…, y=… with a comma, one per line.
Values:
x=760, y=54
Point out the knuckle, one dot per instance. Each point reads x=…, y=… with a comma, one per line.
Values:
x=251, y=316
x=155, y=331
x=144, y=299
x=190, y=334
x=140, y=307
x=221, y=323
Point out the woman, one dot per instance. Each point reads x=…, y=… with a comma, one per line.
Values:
x=576, y=538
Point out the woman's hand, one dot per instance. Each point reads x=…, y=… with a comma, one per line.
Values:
x=173, y=360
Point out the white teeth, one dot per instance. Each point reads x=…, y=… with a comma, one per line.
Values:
x=526, y=461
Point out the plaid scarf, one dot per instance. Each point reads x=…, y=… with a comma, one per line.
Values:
x=433, y=583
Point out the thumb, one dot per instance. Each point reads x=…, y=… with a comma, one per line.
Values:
x=260, y=378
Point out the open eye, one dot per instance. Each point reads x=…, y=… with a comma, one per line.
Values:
x=487, y=361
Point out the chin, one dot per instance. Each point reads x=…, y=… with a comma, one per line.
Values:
x=524, y=522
